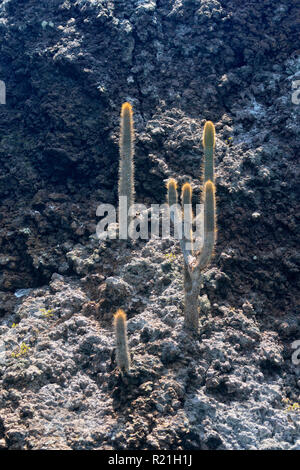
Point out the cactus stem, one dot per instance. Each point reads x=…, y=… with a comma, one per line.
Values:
x=126, y=167
x=122, y=354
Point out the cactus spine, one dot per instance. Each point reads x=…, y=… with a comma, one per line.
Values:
x=122, y=354
x=126, y=167
x=194, y=265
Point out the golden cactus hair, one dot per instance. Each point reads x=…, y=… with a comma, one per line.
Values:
x=210, y=207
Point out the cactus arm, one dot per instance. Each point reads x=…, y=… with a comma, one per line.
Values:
x=209, y=140
x=209, y=226
x=122, y=354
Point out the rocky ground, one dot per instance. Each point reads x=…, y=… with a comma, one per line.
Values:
x=68, y=66
x=60, y=388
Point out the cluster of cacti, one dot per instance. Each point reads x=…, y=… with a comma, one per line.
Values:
x=194, y=263
x=126, y=168
x=126, y=199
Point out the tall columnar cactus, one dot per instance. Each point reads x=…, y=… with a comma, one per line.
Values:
x=122, y=354
x=126, y=167
x=194, y=264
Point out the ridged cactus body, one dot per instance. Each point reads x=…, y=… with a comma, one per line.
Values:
x=122, y=353
x=126, y=167
x=187, y=211
x=209, y=140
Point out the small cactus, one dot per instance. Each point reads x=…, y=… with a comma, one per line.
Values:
x=126, y=168
x=122, y=354
x=194, y=264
